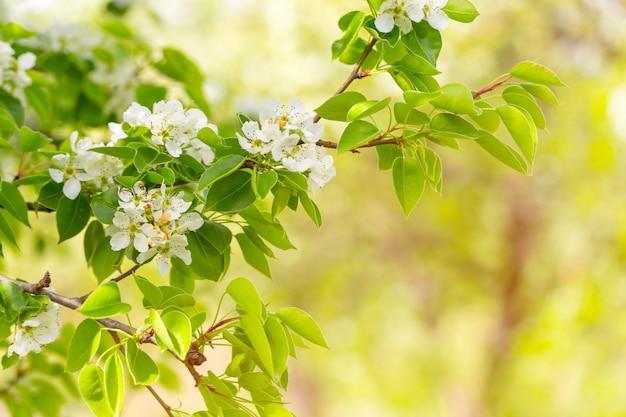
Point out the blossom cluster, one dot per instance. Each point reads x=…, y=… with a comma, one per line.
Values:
x=173, y=128
x=82, y=167
x=288, y=136
x=155, y=223
x=13, y=76
x=36, y=331
x=401, y=12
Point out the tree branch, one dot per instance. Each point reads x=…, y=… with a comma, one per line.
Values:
x=354, y=74
x=492, y=85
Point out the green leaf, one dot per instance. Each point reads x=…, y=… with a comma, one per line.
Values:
x=407, y=115
x=521, y=129
x=431, y=167
x=295, y=180
x=147, y=158
x=268, y=228
x=350, y=35
x=488, y=118
x=92, y=389
x=386, y=155
x=541, y=92
x=175, y=64
x=140, y=365
x=264, y=182
x=13, y=298
x=105, y=301
x=206, y=261
x=243, y=292
x=217, y=235
x=337, y=107
x=51, y=194
x=114, y=382
x=173, y=296
x=72, y=216
x=535, y=73
x=408, y=182
x=302, y=324
x=117, y=28
x=310, y=208
x=105, y=260
x=151, y=293
x=219, y=169
x=461, y=11
x=277, y=338
x=13, y=31
x=7, y=124
x=40, y=101
x=253, y=255
x=147, y=94
x=502, y=152
x=453, y=126
x=356, y=134
x=419, y=65
x=178, y=327
x=417, y=98
x=424, y=41
x=83, y=345
x=455, y=98
x=31, y=141
x=231, y=194
x=517, y=96
x=12, y=201
x=253, y=329
x=367, y=108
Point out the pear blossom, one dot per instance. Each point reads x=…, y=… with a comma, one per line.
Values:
x=173, y=128
x=13, y=76
x=433, y=14
x=155, y=223
x=286, y=137
x=83, y=167
x=36, y=331
x=399, y=13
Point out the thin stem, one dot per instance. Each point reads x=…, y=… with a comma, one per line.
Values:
x=492, y=85
x=163, y=404
x=354, y=74
x=131, y=271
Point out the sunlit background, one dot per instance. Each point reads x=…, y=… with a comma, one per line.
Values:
x=506, y=296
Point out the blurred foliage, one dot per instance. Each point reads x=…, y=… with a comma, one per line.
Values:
x=504, y=299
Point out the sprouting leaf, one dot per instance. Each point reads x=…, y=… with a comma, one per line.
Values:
x=535, y=73
x=105, y=301
x=408, y=182
x=302, y=324
x=83, y=345
x=92, y=389
x=140, y=365
x=246, y=296
x=356, y=134
x=337, y=107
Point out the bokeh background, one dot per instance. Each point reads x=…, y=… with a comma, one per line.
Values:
x=506, y=296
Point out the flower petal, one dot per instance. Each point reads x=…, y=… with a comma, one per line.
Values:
x=384, y=22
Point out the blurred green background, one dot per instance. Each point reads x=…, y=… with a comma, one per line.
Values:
x=506, y=296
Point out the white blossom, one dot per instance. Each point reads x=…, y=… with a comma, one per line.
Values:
x=436, y=17
x=13, y=76
x=36, y=331
x=83, y=167
x=399, y=13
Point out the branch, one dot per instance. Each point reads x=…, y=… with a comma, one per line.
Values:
x=354, y=74
x=71, y=303
x=492, y=85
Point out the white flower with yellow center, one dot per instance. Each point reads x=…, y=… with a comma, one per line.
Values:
x=433, y=14
x=399, y=13
x=36, y=331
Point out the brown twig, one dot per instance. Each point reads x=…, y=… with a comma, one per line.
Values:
x=163, y=404
x=355, y=74
x=492, y=85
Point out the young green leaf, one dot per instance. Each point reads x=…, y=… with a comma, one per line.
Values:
x=502, y=152
x=83, y=345
x=279, y=345
x=408, y=182
x=140, y=365
x=455, y=98
x=367, y=108
x=452, y=125
x=243, y=292
x=104, y=302
x=535, y=73
x=302, y=324
x=356, y=134
x=461, y=10
x=31, y=141
x=311, y=208
x=114, y=382
x=517, y=96
x=541, y=92
x=417, y=98
x=264, y=182
x=253, y=329
x=337, y=107
x=230, y=194
x=178, y=327
x=92, y=389
x=350, y=34
x=521, y=128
